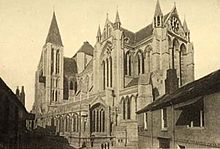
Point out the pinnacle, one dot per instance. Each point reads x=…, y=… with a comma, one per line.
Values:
x=158, y=9
x=185, y=27
x=99, y=32
x=117, y=19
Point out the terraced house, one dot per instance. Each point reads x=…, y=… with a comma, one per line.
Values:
x=92, y=97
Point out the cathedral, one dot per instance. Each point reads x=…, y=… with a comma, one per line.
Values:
x=92, y=98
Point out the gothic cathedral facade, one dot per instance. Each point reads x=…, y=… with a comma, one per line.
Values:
x=92, y=97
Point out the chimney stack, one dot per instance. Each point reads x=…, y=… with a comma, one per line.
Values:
x=22, y=96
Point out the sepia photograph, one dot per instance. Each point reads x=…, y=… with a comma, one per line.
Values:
x=109, y=74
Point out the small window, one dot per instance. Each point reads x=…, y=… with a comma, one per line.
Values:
x=198, y=119
x=164, y=118
x=145, y=121
x=71, y=85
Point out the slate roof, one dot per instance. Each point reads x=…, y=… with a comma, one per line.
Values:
x=70, y=66
x=54, y=34
x=201, y=87
x=86, y=48
x=141, y=34
x=144, y=33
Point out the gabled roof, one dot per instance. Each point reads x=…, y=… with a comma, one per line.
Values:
x=86, y=48
x=4, y=88
x=70, y=66
x=201, y=87
x=54, y=34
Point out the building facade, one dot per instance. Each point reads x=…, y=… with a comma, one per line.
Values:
x=186, y=118
x=92, y=97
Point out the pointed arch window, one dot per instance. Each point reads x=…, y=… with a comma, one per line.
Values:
x=107, y=63
x=123, y=108
x=110, y=65
x=103, y=76
x=182, y=61
x=52, y=60
x=127, y=65
x=56, y=95
x=128, y=108
x=75, y=86
x=97, y=118
x=71, y=85
x=57, y=61
x=140, y=63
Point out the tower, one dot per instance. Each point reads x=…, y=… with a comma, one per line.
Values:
x=158, y=16
x=49, y=76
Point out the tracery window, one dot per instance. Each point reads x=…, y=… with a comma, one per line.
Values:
x=97, y=118
x=140, y=63
x=57, y=61
x=127, y=62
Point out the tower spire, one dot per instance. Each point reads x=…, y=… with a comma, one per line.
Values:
x=117, y=20
x=158, y=16
x=54, y=34
x=99, y=34
x=158, y=11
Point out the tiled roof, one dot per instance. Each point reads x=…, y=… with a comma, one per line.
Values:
x=133, y=82
x=54, y=34
x=86, y=48
x=70, y=66
x=201, y=87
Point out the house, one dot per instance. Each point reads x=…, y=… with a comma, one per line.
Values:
x=187, y=117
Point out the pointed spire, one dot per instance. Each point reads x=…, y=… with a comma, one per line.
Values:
x=99, y=32
x=99, y=35
x=54, y=34
x=158, y=11
x=174, y=10
x=185, y=27
x=117, y=19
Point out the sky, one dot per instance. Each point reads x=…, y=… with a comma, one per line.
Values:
x=24, y=25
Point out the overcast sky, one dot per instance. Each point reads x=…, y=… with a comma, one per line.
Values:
x=24, y=25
